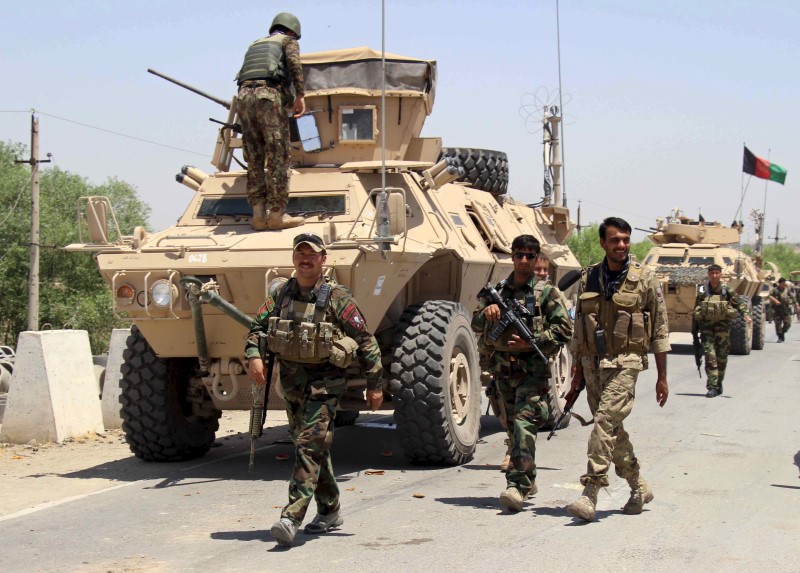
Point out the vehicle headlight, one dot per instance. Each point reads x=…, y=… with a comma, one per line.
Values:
x=162, y=293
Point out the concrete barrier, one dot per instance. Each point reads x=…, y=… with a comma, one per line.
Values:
x=54, y=391
x=111, y=391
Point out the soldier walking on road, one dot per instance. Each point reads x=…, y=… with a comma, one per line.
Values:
x=782, y=304
x=270, y=70
x=621, y=316
x=714, y=308
x=314, y=327
x=520, y=374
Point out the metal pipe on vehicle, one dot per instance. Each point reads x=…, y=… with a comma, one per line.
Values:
x=188, y=181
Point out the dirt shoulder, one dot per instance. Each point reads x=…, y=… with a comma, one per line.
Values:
x=36, y=474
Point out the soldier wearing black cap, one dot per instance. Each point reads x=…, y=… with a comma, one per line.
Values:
x=714, y=308
x=316, y=331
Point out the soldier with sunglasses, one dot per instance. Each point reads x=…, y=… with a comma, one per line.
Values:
x=521, y=376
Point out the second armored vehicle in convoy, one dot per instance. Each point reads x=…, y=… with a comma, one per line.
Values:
x=684, y=250
x=414, y=249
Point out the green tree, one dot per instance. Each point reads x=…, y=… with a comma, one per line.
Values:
x=72, y=292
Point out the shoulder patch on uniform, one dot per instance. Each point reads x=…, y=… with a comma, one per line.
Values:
x=266, y=308
x=352, y=316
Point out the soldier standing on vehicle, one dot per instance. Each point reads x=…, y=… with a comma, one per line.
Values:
x=520, y=374
x=315, y=328
x=270, y=70
x=782, y=304
x=714, y=308
x=621, y=316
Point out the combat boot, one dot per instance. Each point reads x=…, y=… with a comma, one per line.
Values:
x=259, y=219
x=323, y=523
x=284, y=531
x=640, y=495
x=512, y=499
x=280, y=220
x=507, y=459
x=584, y=507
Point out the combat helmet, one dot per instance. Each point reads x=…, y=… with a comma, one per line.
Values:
x=288, y=21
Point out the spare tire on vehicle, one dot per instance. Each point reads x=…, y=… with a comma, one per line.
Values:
x=485, y=169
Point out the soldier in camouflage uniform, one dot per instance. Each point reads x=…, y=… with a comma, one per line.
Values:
x=782, y=304
x=271, y=68
x=316, y=330
x=520, y=375
x=621, y=315
x=714, y=308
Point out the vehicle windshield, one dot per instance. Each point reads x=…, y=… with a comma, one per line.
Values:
x=217, y=207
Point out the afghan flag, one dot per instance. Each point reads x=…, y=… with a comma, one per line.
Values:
x=762, y=168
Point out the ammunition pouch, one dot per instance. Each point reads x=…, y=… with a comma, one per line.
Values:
x=306, y=342
x=343, y=352
x=608, y=328
x=715, y=310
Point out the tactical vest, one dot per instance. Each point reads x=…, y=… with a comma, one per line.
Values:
x=620, y=325
x=305, y=331
x=715, y=307
x=533, y=302
x=265, y=60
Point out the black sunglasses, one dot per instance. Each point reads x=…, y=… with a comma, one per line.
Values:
x=519, y=256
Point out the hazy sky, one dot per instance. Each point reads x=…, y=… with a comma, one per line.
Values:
x=661, y=94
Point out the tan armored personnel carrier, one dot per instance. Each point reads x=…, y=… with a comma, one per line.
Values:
x=684, y=250
x=414, y=252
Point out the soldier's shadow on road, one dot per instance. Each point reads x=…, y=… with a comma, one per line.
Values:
x=371, y=446
x=265, y=536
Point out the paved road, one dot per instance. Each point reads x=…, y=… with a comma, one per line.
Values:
x=724, y=473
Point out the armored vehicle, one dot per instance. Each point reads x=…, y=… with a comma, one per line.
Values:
x=684, y=250
x=414, y=250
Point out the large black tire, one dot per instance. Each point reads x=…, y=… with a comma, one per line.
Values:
x=759, y=324
x=560, y=381
x=435, y=378
x=485, y=169
x=159, y=419
x=741, y=337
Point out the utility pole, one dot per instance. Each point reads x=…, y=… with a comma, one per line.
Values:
x=33, y=275
x=777, y=236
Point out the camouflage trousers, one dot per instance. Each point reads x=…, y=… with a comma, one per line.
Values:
x=783, y=322
x=265, y=138
x=716, y=347
x=524, y=399
x=610, y=393
x=311, y=408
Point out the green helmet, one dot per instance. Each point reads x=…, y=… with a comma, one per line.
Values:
x=288, y=21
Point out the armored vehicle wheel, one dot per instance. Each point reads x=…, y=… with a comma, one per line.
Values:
x=759, y=324
x=741, y=337
x=560, y=381
x=345, y=418
x=435, y=378
x=486, y=170
x=161, y=421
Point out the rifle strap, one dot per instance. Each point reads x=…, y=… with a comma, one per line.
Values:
x=581, y=419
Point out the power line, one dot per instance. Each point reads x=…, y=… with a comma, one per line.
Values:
x=108, y=131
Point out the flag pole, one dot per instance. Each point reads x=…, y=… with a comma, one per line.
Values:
x=742, y=191
x=766, y=184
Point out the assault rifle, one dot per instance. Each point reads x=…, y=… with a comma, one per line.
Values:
x=697, y=345
x=571, y=399
x=512, y=313
x=236, y=127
